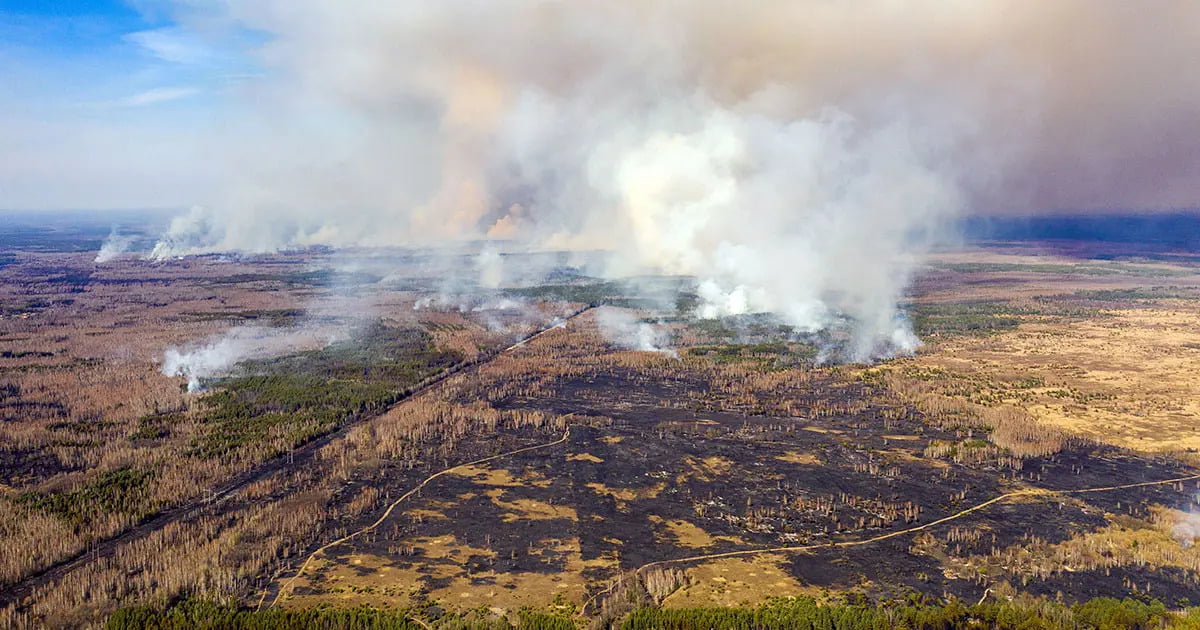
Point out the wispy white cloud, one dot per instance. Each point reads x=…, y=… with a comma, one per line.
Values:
x=99, y=111
x=173, y=44
x=155, y=96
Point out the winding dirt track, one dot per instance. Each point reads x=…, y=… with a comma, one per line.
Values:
x=1039, y=492
x=287, y=586
x=305, y=453
x=300, y=456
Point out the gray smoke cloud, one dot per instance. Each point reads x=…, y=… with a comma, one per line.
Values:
x=620, y=327
x=796, y=157
x=220, y=354
x=114, y=246
x=1186, y=526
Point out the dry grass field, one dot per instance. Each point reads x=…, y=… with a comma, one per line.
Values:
x=394, y=448
x=1111, y=353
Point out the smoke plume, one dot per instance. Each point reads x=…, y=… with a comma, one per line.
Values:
x=796, y=157
x=1186, y=527
x=620, y=327
x=113, y=246
x=219, y=355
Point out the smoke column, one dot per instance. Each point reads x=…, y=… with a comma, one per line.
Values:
x=794, y=156
x=623, y=329
x=216, y=357
x=114, y=246
x=220, y=355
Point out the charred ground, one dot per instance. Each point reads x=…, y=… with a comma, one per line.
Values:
x=735, y=442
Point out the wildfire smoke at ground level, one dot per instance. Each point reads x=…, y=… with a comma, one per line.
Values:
x=795, y=157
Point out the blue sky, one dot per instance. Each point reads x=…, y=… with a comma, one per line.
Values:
x=107, y=103
x=108, y=46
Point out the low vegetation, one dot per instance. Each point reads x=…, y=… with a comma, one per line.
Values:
x=743, y=440
x=958, y=318
x=778, y=614
x=203, y=615
x=121, y=491
x=1102, y=613
x=767, y=356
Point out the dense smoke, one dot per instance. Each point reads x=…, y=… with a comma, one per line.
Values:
x=219, y=355
x=1186, y=528
x=623, y=329
x=794, y=156
x=114, y=246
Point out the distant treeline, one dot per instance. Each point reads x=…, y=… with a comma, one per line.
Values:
x=805, y=614
x=202, y=615
x=780, y=614
x=1169, y=229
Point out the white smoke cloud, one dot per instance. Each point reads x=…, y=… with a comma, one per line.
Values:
x=491, y=268
x=795, y=156
x=620, y=327
x=215, y=358
x=113, y=246
x=218, y=356
x=1186, y=528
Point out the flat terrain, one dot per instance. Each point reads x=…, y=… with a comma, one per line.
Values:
x=398, y=436
x=665, y=463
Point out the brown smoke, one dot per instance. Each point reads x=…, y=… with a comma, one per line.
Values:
x=786, y=152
